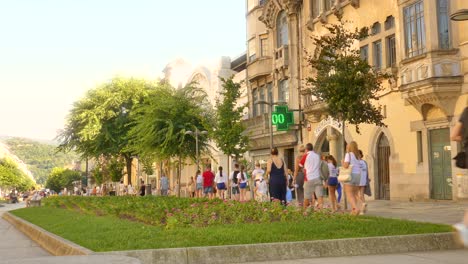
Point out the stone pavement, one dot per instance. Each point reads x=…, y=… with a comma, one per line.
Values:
x=448, y=256
x=14, y=244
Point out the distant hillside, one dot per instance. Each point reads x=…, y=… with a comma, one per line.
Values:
x=40, y=158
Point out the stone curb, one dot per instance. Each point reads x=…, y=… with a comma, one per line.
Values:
x=250, y=252
x=54, y=244
x=295, y=250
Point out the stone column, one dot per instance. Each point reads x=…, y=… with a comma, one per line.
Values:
x=333, y=142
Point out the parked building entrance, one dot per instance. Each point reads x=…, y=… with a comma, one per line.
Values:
x=440, y=165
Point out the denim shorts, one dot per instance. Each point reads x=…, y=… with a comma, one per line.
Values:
x=355, y=179
x=199, y=186
x=208, y=189
x=243, y=185
x=221, y=186
x=333, y=181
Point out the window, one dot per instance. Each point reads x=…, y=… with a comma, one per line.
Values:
x=415, y=35
x=315, y=5
x=391, y=51
x=282, y=29
x=270, y=92
x=264, y=45
x=419, y=146
x=377, y=52
x=365, y=53
x=255, y=103
x=375, y=28
x=283, y=91
x=262, y=98
x=443, y=23
x=252, y=54
x=389, y=23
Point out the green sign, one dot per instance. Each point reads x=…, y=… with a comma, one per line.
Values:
x=282, y=118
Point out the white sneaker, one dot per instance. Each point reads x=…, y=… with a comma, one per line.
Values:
x=462, y=231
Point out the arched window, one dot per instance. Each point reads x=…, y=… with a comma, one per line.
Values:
x=282, y=29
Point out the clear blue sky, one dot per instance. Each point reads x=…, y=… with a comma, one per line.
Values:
x=52, y=51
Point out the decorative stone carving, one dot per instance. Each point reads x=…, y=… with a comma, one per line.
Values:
x=270, y=12
x=292, y=6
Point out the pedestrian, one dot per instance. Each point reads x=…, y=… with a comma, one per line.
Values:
x=364, y=184
x=257, y=170
x=290, y=190
x=299, y=176
x=192, y=187
x=352, y=187
x=277, y=178
x=164, y=185
x=142, y=188
x=332, y=181
x=235, y=192
x=220, y=181
x=94, y=191
x=121, y=188
x=313, y=183
x=261, y=188
x=460, y=134
x=208, y=182
x=199, y=190
x=242, y=179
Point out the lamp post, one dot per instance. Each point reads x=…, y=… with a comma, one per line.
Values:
x=197, y=133
x=270, y=110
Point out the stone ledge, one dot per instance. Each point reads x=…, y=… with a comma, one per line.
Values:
x=250, y=252
x=295, y=250
x=54, y=244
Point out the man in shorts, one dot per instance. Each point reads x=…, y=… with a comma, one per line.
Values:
x=208, y=180
x=312, y=180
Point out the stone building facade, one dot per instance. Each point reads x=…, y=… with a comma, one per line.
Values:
x=415, y=41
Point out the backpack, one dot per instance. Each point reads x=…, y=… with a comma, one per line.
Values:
x=324, y=171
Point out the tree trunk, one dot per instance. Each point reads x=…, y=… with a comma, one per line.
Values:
x=128, y=162
x=228, y=181
x=343, y=156
x=179, y=176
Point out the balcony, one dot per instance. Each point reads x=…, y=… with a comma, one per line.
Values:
x=282, y=58
x=313, y=107
x=260, y=67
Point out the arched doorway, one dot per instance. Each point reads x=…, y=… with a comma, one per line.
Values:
x=383, y=168
x=330, y=143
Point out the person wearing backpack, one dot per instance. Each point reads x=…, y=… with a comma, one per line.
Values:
x=235, y=192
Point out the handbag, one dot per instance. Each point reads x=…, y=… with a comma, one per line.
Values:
x=345, y=174
x=460, y=160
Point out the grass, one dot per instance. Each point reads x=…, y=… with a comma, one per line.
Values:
x=110, y=233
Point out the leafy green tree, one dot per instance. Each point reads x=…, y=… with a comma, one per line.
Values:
x=229, y=133
x=12, y=177
x=115, y=169
x=161, y=123
x=61, y=178
x=346, y=83
x=98, y=124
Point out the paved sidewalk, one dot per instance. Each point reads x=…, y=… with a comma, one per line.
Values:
x=448, y=257
x=14, y=244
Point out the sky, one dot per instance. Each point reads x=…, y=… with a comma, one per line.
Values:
x=53, y=51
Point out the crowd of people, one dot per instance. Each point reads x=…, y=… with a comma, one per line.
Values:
x=312, y=178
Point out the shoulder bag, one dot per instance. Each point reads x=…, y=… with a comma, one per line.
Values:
x=345, y=174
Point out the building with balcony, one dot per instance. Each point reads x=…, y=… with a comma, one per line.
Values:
x=415, y=41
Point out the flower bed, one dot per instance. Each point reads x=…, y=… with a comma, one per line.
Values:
x=171, y=212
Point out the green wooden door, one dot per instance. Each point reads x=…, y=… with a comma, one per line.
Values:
x=441, y=166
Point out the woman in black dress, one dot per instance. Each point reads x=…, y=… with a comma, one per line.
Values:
x=276, y=172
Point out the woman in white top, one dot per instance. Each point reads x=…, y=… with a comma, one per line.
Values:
x=199, y=190
x=220, y=180
x=352, y=187
x=332, y=181
x=363, y=183
x=242, y=179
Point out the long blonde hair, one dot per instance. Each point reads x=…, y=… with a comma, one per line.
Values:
x=353, y=147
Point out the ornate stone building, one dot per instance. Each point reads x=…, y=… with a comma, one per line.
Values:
x=415, y=40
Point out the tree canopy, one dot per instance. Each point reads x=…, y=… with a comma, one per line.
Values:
x=347, y=83
x=99, y=123
x=61, y=178
x=12, y=177
x=229, y=134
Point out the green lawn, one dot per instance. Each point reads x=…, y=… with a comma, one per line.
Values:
x=109, y=233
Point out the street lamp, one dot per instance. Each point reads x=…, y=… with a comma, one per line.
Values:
x=460, y=15
x=197, y=133
x=270, y=110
